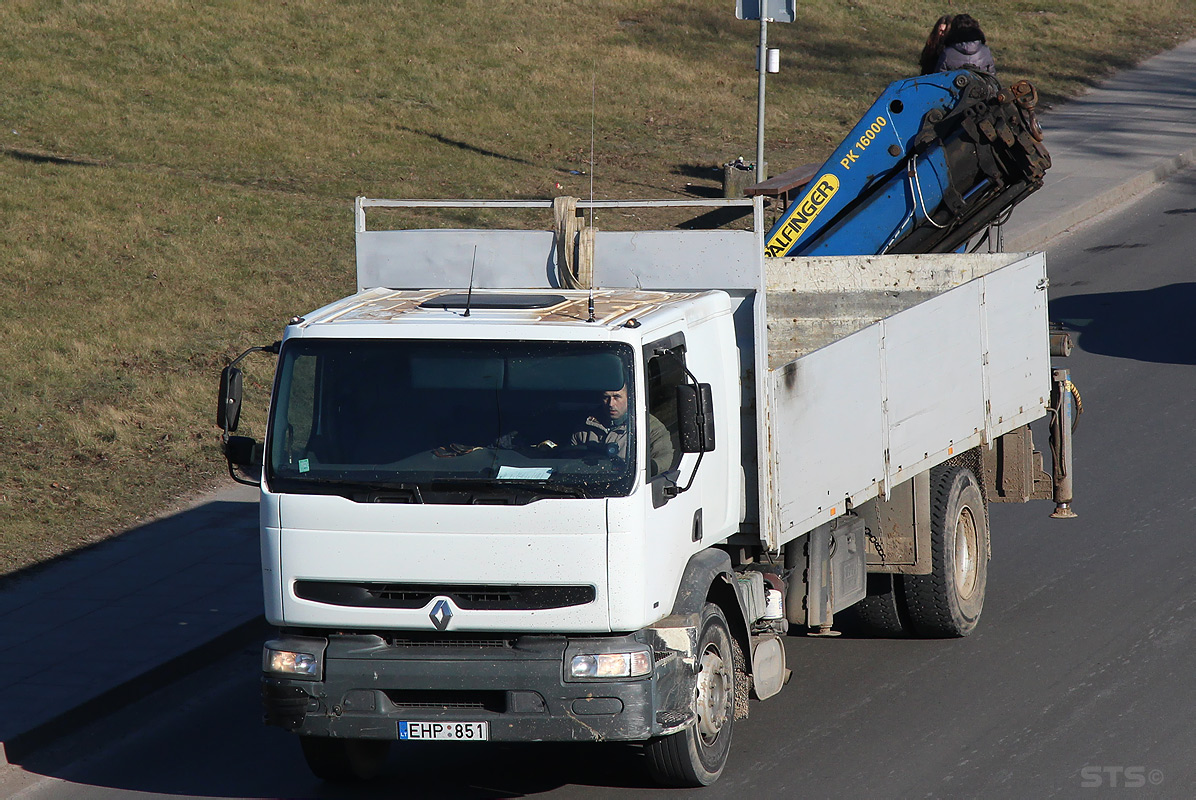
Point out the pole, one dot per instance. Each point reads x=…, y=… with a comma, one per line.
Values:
x=761, y=67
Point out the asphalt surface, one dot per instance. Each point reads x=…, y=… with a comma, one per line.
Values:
x=1077, y=679
x=85, y=635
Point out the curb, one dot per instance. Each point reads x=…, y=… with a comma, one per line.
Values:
x=1037, y=237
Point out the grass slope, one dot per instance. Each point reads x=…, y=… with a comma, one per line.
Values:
x=178, y=176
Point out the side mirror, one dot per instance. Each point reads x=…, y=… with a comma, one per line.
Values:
x=243, y=451
x=695, y=417
x=244, y=456
x=228, y=404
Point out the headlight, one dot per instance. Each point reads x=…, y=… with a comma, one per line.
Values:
x=611, y=665
x=287, y=662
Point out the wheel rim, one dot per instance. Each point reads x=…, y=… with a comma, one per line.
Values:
x=715, y=687
x=966, y=552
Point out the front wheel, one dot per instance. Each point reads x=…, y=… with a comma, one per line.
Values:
x=696, y=756
x=344, y=760
x=948, y=601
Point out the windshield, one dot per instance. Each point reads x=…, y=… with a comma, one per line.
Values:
x=452, y=422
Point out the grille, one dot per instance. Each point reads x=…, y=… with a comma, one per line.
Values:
x=415, y=595
x=431, y=699
x=449, y=641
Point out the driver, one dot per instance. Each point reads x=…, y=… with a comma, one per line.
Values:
x=609, y=426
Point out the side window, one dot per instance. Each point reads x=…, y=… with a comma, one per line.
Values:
x=665, y=363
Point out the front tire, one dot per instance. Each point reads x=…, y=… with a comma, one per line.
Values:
x=344, y=760
x=696, y=756
x=947, y=602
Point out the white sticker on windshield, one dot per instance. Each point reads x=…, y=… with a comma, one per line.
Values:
x=524, y=473
x=304, y=465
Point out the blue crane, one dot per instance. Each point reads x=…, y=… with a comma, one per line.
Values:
x=935, y=160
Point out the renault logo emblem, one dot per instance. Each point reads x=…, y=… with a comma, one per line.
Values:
x=442, y=614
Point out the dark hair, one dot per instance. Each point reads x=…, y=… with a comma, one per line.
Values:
x=964, y=29
x=929, y=60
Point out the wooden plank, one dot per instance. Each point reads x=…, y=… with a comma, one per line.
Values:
x=783, y=184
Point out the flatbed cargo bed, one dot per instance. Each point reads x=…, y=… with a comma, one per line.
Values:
x=892, y=365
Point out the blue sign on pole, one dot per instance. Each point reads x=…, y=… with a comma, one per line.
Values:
x=775, y=10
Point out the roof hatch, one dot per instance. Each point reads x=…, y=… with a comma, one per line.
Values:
x=494, y=302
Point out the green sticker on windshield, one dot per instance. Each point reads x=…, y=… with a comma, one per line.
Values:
x=304, y=465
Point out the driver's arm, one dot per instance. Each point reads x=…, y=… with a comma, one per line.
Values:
x=660, y=447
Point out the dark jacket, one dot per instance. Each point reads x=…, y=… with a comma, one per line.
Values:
x=967, y=55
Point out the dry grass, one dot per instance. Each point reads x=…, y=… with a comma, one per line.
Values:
x=122, y=296
x=178, y=176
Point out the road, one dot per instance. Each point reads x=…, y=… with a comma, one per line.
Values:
x=1079, y=677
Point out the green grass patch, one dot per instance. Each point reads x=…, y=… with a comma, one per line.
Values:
x=178, y=176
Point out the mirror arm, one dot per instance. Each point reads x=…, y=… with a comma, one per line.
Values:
x=232, y=473
x=270, y=348
x=673, y=491
x=662, y=351
x=236, y=458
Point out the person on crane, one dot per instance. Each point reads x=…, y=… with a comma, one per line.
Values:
x=933, y=50
x=965, y=47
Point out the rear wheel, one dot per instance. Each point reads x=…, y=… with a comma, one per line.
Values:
x=344, y=760
x=696, y=756
x=878, y=614
x=948, y=601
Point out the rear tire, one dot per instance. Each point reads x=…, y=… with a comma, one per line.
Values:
x=947, y=602
x=879, y=613
x=344, y=760
x=696, y=756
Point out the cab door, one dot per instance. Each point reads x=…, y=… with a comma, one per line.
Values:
x=652, y=538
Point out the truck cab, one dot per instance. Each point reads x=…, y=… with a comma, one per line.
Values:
x=446, y=441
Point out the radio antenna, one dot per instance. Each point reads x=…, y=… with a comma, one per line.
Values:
x=469, y=292
x=593, y=125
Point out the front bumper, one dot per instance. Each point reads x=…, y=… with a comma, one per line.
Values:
x=517, y=683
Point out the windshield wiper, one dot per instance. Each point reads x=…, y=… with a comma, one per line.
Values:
x=507, y=488
x=376, y=491
x=566, y=489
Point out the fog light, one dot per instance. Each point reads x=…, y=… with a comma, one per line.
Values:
x=287, y=662
x=611, y=665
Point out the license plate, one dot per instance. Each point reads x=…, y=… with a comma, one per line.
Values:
x=445, y=731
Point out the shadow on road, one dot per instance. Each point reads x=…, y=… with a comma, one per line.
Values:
x=1155, y=325
x=242, y=758
x=90, y=631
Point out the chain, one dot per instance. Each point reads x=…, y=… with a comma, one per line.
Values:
x=875, y=543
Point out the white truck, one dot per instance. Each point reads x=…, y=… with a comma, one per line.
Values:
x=577, y=484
